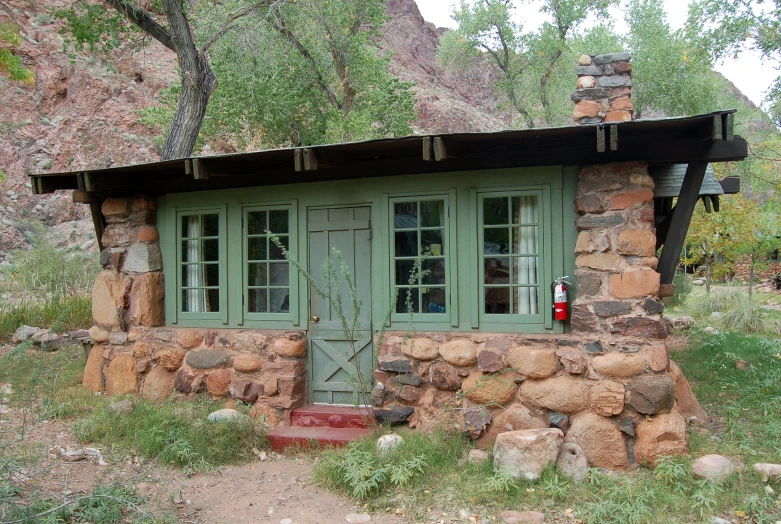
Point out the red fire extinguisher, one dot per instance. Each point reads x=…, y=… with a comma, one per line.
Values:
x=560, y=308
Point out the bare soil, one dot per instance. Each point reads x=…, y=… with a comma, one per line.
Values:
x=270, y=490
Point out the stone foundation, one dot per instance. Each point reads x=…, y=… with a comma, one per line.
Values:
x=264, y=368
x=596, y=389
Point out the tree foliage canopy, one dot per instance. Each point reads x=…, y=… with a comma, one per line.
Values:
x=10, y=63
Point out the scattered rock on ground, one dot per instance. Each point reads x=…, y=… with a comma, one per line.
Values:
x=572, y=462
x=719, y=520
x=715, y=468
x=358, y=517
x=527, y=452
x=477, y=456
x=396, y=415
x=768, y=471
x=123, y=406
x=24, y=333
x=683, y=322
x=698, y=282
x=519, y=517
x=388, y=442
x=223, y=415
x=710, y=330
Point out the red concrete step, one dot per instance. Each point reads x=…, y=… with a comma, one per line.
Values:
x=321, y=416
x=288, y=436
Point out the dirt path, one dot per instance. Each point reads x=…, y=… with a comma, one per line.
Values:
x=270, y=490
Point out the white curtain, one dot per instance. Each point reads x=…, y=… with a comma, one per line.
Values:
x=196, y=298
x=525, y=210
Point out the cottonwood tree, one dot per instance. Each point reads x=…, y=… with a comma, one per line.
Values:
x=728, y=27
x=670, y=71
x=310, y=72
x=526, y=60
x=171, y=23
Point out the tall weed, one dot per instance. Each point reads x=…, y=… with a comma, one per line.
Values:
x=45, y=270
x=735, y=311
x=64, y=313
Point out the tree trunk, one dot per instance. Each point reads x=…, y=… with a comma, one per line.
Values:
x=751, y=280
x=198, y=84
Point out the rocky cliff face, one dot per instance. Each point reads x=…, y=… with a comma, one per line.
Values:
x=80, y=112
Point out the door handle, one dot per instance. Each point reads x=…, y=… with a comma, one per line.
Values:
x=315, y=318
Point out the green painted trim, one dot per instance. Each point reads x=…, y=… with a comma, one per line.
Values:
x=569, y=231
x=461, y=189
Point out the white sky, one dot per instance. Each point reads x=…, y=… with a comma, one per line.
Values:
x=748, y=72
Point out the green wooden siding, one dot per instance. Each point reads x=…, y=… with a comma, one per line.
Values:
x=462, y=192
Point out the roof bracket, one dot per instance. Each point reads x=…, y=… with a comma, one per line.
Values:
x=428, y=149
x=613, y=138
x=600, y=138
x=199, y=169
x=305, y=159
x=728, y=126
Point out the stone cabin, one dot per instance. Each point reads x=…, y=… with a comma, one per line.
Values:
x=194, y=296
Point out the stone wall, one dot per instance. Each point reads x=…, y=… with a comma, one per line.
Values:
x=135, y=355
x=264, y=368
x=769, y=269
x=608, y=385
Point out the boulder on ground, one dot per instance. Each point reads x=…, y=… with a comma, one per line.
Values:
x=388, y=442
x=526, y=453
x=572, y=462
x=768, y=471
x=24, y=333
x=224, y=415
x=522, y=517
x=715, y=468
x=477, y=456
x=688, y=406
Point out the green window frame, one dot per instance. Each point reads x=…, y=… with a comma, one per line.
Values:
x=514, y=257
x=420, y=225
x=201, y=246
x=269, y=282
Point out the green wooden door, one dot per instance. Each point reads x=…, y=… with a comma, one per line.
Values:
x=334, y=357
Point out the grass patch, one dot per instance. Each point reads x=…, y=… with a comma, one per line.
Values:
x=173, y=432
x=63, y=313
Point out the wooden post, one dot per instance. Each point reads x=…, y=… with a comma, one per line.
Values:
x=681, y=216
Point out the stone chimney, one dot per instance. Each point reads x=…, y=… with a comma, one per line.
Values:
x=604, y=89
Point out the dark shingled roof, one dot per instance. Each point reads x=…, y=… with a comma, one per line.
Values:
x=668, y=180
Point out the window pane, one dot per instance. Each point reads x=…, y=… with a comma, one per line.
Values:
x=497, y=270
x=213, y=300
x=496, y=240
x=275, y=251
x=403, y=270
x=497, y=300
x=405, y=215
x=525, y=240
x=525, y=270
x=194, y=300
x=495, y=211
x=407, y=244
x=280, y=300
x=191, y=251
x=279, y=274
x=524, y=210
x=257, y=248
x=436, y=269
x=211, y=225
x=211, y=250
x=408, y=294
x=432, y=214
x=258, y=301
x=256, y=276
x=278, y=223
x=432, y=242
x=434, y=300
x=211, y=274
x=525, y=301
x=191, y=226
x=256, y=222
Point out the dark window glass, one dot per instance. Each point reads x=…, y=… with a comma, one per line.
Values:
x=432, y=214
